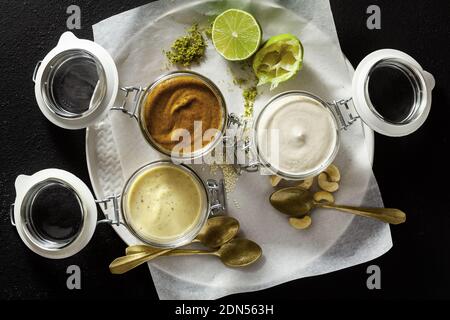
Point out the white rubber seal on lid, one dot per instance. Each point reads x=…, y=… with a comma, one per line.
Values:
x=364, y=107
x=69, y=43
x=24, y=186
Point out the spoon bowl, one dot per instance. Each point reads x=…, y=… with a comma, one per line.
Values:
x=298, y=202
x=217, y=231
x=236, y=253
x=293, y=201
x=239, y=253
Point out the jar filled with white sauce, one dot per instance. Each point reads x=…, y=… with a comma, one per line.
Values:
x=296, y=134
x=162, y=204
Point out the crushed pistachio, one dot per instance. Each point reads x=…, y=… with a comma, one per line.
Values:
x=246, y=80
x=240, y=81
x=208, y=30
x=187, y=49
x=246, y=66
x=249, y=95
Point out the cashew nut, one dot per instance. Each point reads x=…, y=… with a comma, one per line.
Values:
x=323, y=196
x=300, y=223
x=275, y=180
x=306, y=184
x=333, y=173
x=326, y=185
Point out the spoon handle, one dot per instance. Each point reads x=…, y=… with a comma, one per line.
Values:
x=126, y=263
x=140, y=248
x=189, y=252
x=388, y=215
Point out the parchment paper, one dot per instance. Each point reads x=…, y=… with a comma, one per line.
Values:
x=335, y=241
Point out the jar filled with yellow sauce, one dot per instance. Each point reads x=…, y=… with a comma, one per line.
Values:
x=162, y=204
x=166, y=205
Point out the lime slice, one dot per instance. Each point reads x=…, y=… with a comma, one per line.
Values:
x=236, y=34
x=278, y=60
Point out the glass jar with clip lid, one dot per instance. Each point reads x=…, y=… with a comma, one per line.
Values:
x=296, y=135
x=55, y=213
x=77, y=83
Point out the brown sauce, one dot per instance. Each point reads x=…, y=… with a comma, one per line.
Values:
x=176, y=103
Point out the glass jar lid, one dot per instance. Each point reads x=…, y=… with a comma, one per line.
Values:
x=391, y=92
x=76, y=83
x=54, y=213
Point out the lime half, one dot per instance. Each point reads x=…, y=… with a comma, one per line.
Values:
x=278, y=60
x=236, y=34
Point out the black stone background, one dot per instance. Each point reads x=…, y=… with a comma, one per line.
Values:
x=412, y=172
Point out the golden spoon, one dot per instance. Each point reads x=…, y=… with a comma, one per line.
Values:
x=298, y=202
x=216, y=231
x=236, y=253
x=123, y=264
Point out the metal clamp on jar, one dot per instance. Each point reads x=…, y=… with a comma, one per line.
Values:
x=391, y=94
x=55, y=213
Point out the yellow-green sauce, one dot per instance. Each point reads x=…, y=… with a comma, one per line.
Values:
x=165, y=203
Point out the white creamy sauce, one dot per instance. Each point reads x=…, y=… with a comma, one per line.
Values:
x=296, y=134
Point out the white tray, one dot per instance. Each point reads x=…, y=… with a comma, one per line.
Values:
x=298, y=251
x=105, y=170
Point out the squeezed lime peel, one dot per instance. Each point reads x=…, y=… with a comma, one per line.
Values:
x=278, y=60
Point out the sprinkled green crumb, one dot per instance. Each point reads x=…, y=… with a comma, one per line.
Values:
x=208, y=31
x=249, y=95
x=240, y=81
x=209, y=28
x=245, y=65
x=187, y=49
